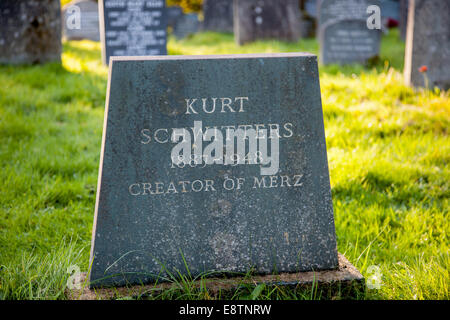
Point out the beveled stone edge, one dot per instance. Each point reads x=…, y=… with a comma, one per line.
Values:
x=213, y=56
x=346, y=274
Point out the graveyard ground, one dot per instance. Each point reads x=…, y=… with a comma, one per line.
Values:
x=388, y=150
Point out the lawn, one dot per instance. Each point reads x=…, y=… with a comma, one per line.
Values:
x=388, y=151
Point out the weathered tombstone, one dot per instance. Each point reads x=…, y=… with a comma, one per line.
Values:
x=343, y=32
x=403, y=22
x=218, y=15
x=87, y=26
x=265, y=19
x=133, y=28
x=186, y=25
x=30, y=31
x=331, y=10
x=173, y=14
x=214, y=162
x=427, y=53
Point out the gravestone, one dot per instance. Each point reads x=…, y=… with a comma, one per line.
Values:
x=218, y=15
x=214, y=162
x=173, y=14
x=343, y=33
x=186, y=25
x=30, y=31
x=87, y=27
x=265, y=19
x=331, y=10
x=428, y=44
x=133, y=28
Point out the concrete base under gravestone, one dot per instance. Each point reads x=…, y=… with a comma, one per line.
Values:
x=344, y=282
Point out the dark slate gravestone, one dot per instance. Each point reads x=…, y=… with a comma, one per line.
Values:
x=343, y=33
x=218, y=15
x=266, y=19
x=218, y=160
x=80, y=20
x=133, y=28
x=428, y=44
x=30, y=31
x=173, y=14
x=186, y=25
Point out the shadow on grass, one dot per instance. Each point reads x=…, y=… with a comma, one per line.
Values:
x=386, y=192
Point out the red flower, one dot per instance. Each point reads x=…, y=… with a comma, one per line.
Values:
x=423, y=69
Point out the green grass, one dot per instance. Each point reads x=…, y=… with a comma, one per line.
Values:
x=388, y=150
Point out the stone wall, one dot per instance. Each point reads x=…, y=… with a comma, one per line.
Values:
x=30, y=31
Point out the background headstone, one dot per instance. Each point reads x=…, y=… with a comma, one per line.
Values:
x=133, y=28
x=89, y=21
x=218, y=15
x=331, y=10
x=186, y=25
x=280, y=220
x=30, y=31
x=266, y=19
x=173, y=14
x=428, y=44
x=343, y=33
